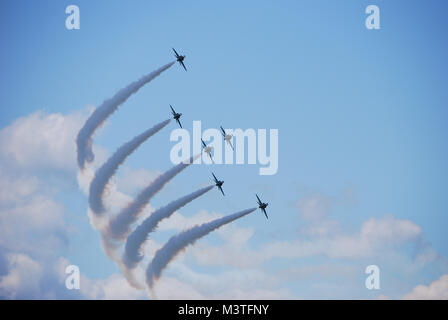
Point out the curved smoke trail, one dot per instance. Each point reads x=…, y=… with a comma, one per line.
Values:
x=96, y=119
x=119, y=226
x=180, y=241
x=108, y=169
x=132, y=254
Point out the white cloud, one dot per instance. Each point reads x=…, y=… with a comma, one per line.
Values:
x=131, y=181
x=23, y=277
x=114, y=287
x=323, y=228
x=13, y=189
x=376, y=236
x=33, y=230
x=362, y=244
x=236, y=252
x=184, y=283
x=170, y=288
x=389, y=230
x=33, y=227
x=31, y=222
x=30, y=279
x=41, y=140
x=226, y=255
x=320, y=271
x=314, y=206
x=436, y=290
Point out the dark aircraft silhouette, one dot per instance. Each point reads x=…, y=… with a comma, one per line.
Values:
x=207, y=150
x=218, y=183
x=180, y=59
x=262, y=206
x=226, y=137
x=176, y=115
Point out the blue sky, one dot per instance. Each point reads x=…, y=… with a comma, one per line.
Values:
x=361, y=116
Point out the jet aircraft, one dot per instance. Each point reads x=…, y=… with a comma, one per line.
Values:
x=218, y=183
x=262, y=205
x=227, y=137
x=180, y=58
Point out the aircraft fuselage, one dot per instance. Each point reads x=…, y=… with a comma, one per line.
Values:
x=207, y=149
x=263, y=206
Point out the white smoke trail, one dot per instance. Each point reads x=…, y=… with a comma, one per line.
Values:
x=108, y=169
x=180, y=241
x=119, y=226
x=96, y=119
x=110, y=248
x=134, y=243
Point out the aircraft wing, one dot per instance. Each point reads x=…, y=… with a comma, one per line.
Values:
x=223, y=132
x=216, y=180
x=264, y=211
x=222, y=191
x=175, y=52
x=182, y=63
x=203, y=143
x=259, y=201
x=172, y=110
x=230, y=143
x=178, y=121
